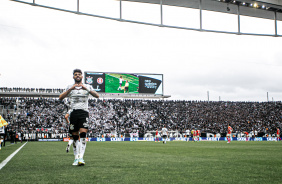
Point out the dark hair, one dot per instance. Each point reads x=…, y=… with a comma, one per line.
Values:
x=77, y=70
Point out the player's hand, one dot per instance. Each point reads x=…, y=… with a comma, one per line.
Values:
x=76, y=86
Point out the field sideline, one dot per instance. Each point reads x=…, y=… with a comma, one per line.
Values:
x=145, y=162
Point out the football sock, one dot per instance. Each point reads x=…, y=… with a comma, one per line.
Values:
x=70, y=142
x=82, y=147
x=82, y=144
x=75, y=146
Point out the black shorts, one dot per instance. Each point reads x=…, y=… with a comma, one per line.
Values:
x=78, y=119
x=164, y=136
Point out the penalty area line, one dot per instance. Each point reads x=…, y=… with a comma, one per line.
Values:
x=11, y=156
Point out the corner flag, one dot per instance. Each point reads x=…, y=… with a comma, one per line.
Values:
x=3, y=122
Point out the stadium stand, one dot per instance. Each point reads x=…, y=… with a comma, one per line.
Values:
x=125, y=116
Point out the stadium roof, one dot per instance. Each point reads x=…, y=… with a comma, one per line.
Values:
x=260, y=9
x=266, y=9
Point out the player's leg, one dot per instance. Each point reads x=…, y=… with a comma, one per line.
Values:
x=82, y=148
x=76, y=145
x=83, y=128
x=70, y=141
x=69, y=144
x=74, y=130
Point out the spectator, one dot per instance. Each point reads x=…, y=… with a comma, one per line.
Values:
x=126, y=116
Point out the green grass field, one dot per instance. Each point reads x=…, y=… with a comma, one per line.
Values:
x=146, y=162
x=112, y=83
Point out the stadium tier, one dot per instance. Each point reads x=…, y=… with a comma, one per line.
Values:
x=43, y=117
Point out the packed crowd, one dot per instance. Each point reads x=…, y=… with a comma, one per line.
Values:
x=37, y=90
x=126, y=116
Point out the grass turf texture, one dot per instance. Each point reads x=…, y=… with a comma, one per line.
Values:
x=112, y=83
x=147, y=162
x=7, y=150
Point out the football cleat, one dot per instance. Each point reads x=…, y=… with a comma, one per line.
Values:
x=81, y=162
x=75, y=162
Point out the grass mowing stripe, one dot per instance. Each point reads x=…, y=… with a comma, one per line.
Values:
x=2, y=164
x=148, y=162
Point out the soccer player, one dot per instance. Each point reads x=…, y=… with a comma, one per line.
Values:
x=247, y=136
x=198, y=135
x=120, y=82
x=70, y=134
x=188, y=134
x=229, y=131
x=278, y=134
x=194, y=132
x=126, y=87
x=157, y=136
x=256, y=134
x=78, y=94
x=164, y=134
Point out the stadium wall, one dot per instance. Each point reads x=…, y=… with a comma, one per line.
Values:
x=120, y=139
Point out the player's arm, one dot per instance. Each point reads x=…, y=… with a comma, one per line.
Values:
x=67, y=92
x=67, y=118
x=92, y=92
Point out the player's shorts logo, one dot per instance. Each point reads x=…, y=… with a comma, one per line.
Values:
x=89, y=80
x=71, y=127
x=100, y=80
x=85, y=124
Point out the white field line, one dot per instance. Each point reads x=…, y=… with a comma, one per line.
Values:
x=10, y=157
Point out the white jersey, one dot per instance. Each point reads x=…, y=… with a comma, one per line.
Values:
x=164, y=131
x=79, y=98
x=69, y=111
x=120, y=80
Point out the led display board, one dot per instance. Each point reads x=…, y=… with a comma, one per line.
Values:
x=125, y=82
